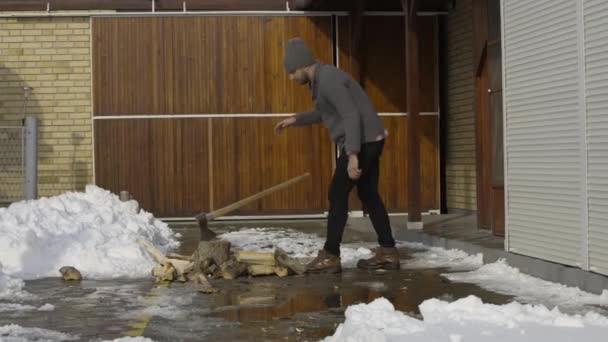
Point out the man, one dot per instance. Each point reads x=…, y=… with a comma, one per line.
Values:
x=354, y=125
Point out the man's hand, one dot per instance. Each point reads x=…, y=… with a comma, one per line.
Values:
x=284, y=124
x=354, y=172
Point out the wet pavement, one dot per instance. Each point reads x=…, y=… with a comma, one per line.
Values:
x=295, y=308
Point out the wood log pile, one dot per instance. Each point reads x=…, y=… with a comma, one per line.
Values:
x=214, y=259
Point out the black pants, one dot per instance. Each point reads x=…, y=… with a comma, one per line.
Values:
x=367, y=189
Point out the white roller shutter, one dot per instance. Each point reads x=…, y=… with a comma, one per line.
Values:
x=596, y=61
x=544, y=111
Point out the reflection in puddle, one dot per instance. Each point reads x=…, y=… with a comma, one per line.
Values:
x=271, y=301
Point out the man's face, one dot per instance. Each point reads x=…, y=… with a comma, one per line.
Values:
x=299, y=76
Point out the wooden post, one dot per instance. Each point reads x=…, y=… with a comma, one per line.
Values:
x=357, y=55
x=413, y=104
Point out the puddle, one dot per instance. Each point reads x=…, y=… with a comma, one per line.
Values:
x=311, y=307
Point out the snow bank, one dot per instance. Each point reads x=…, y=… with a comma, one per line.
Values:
x=469, y=320
x=93, y=231
x=501, y=277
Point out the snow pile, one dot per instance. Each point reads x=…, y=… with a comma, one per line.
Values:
x=295, y=243
x=467, y=319
x=93, y=231
x=16, y=333
x=500, y=277
x=12, y=288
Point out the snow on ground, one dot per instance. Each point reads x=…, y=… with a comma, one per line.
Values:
x=167, y=304
x=130, y=339
x=16, y=333
x=4, y=307
x=295, y=243
x=500, y=277
x=93, y=231
x=467, y=320
x=435, y=257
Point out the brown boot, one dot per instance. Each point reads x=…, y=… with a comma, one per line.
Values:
x=385, y=258
x=325, y=262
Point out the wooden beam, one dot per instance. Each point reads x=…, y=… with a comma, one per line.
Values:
x=356, y=37
x=142, y=5
x=413, y=103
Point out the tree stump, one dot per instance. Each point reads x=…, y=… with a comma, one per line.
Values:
x=216, y=250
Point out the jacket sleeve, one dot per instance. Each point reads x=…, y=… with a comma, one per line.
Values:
x=308, y=118
x=339, y=96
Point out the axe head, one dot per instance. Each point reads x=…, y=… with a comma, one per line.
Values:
x=203, y=224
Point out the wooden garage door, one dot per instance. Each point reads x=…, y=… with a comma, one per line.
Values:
x=184, y=109
x=383, y=76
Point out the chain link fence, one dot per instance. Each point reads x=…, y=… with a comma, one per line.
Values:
x=12, y=162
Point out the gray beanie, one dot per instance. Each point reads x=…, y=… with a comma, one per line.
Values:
x=297, y=55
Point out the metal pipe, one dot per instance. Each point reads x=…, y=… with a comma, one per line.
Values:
x=31, y=158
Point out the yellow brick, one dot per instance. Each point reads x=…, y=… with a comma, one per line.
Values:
x=46, y=51
x=83, y=63
x=12, y=52
x=63, y=109
x=30, y=45
x=30, y=32
x=79, y=25
x=54, y=64
x=60, y=32
x=30, y=58
x=62, y=58
x=44, y=25
x=13, y=39
x=47, y=38
x=82, y=89
x=47, y=77
x=80, y=77
x=65, y=70
x=78, y=51
x=64, y=44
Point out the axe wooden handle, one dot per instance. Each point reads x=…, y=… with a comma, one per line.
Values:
x=234, y=206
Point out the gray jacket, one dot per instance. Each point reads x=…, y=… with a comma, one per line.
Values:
x=344, y=108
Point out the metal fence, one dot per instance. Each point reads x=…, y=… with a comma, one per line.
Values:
x=12, y=163
x=18, y=161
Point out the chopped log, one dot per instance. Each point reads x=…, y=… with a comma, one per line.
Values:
x=158, y=271
x=201, y=284
x=70, y=273
x=257, y=270
x=256, y=258
x=169, y=273
x=281, y=271
x=231, y=269
x=291, y=263
x=181, y=266
x=179, y=256
x=160, y=257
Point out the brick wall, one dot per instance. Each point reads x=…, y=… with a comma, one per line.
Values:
x=52, y=55
x=460, y=163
